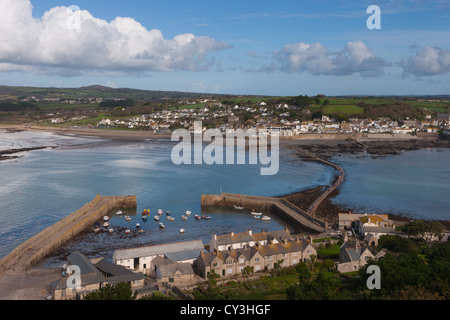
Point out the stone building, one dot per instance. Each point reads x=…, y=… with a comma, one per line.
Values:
x=353, y=256
x=259, y=257
x=95, y=274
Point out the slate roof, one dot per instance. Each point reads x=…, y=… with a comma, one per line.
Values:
x=247, y=237
x=154, y=250
x=91, y=273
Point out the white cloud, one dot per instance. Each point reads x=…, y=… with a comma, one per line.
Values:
x=66, y=42
x=427, y=62
x=356, y=57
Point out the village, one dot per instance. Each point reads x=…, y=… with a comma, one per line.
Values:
x=175, y=268
x=274, y=120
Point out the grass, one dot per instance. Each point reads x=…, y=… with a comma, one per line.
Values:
x=345, y=109
x=265, y=288
x=330, y=252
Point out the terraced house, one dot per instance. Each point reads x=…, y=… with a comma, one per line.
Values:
x=259, y=257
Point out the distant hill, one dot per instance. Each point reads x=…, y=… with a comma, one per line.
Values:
x=98, y=91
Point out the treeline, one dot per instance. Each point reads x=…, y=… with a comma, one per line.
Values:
x=8, y=106
x=111, y=104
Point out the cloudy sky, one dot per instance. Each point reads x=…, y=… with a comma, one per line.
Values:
x=266, y=47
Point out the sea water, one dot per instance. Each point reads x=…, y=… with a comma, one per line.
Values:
x=46, y=185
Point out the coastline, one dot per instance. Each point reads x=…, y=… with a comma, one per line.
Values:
x=327, y=211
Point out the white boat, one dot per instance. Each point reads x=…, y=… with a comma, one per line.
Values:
x=156, y=218
x=119, y=213
x=188, y=213
x=106, y=224
x=239, y=208
x=265, y=218
x=138, y=225
x=127, y=231
x=257, y=213
x=257, y=217
x=105, y=218
x=97, y=230
x=184, y=218
x=197, y=217
x=111, y=230
x=170, y=218
x=161, y=225
x=182, y=230
x=160, y=212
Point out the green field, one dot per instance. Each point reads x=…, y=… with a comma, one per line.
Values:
x=344, y=109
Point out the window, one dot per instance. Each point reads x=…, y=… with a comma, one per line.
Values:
x=269, y=258
x=256, y=259
x=242, y=260
x=215, y=264
x=230, y=262
x=229, y=271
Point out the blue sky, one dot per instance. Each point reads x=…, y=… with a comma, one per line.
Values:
x=236, y=47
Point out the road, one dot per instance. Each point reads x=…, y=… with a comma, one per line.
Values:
x=313, y=208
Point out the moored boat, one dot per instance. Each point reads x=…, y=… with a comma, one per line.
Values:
x=106, y=224
x=184, y=218
x=138, y=225
x=119, y=213
x=170, y=218
x=105, y=218
x=128, y=218
x=197, y=217
x=206, y=217
x=238, y=207
x=182, y=230
x=127, y=231
x=168, y=213
x=161, y=225
x=156, y=218
x=97, y=230
x=188, y=213
x=160, y=212
x=265, y=218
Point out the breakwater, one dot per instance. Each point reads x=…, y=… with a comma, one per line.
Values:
x=294, y=216
x=37, y=247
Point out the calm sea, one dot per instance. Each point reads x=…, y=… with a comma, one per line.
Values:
x=44, y=186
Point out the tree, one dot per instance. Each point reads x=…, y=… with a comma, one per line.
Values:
x=247, y=271
x=328, y=264
x=212, y=278
x=120, y=291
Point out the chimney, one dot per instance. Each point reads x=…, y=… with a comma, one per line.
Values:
x=215, y=236
x=250, y=232
x=232, y=233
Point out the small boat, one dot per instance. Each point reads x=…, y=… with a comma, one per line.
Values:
x=161, y=225
x=197, y=217
x=168, y=213
x=160, y=212
x=184, y=218
x=111, y=230
x=105, y=218
x=188, y=213
x=265, y=218
x=106, y=224
x=119, y=213
x=138, y=225
x=141, y=231
x=182, y=230
x=146, y=212
x=156, y=218
x=239, y=208
x=144, y=218
x=128, y=218
x=127, y=231
x=206, y=217
x=97, y=230
x=170, y=218
x=256, y=213
x=257, y=217
x=96, y=225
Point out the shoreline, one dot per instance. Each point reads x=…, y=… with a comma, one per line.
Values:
x=33, y=284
